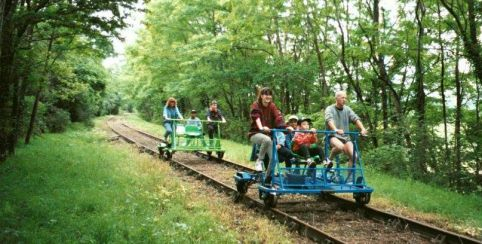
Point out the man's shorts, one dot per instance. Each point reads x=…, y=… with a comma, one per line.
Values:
x=343, y=139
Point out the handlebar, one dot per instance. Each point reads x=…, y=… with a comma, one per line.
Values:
x=207, y=121
x=318, y=131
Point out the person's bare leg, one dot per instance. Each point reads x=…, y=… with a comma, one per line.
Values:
x=348, y=150
x=336, y=147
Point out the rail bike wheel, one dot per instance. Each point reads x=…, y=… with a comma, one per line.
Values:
x=242, y=188
x=362, y=198
x=220, y=155
x=237, y=197
x=166, y=154
x=323, y=196
x=161, y=153
x=270, y=201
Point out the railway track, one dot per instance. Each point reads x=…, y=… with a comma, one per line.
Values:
x=328, y=219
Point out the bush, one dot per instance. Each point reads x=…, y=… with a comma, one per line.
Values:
x=235, y=129
x=392, y=159
x=57, y=119
x=111, y=104
x=129, y=107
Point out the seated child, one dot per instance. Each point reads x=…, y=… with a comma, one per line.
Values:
x=293, y=122
x=194, y=120
x=304, y=143
x=284, y=153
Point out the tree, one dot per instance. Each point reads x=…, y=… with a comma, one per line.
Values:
x=18, y=18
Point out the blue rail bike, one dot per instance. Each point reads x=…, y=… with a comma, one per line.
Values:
x=305, y=180
x=189, y=137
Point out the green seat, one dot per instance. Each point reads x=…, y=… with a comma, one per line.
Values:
x=193, y=130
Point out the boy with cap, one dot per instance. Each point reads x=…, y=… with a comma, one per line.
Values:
x=194, y=120
x=305, y=143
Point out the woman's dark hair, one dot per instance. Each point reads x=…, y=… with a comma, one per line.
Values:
x=264, y=91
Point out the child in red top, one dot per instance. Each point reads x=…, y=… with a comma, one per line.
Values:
x=304, y=143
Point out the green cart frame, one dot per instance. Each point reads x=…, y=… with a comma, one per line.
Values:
x=191, y=138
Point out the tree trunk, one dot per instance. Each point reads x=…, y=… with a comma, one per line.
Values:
x=477, y=103
x=442, y=85
x=7, y=53
x=2, y=16
x=306, y=98
x=319, y=58
x=278, y=38
x=19, y=87
x=374, y=103
x=421, y=151
x=478, y=161
x=33, y=116
x=14, y=116
x=420, y=107
x=39, y=92
x=230, y=101
x=458, y=119
x=380, y=60
x=286, y=98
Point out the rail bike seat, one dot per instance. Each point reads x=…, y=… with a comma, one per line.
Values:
x=180, y=130
x=193, y=131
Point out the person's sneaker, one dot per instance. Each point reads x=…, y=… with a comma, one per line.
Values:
x=293, y=161
x=258, y=166
x=328, y=163
x=310, y=162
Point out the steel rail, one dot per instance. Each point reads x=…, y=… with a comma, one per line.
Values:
x=142, y=132
x=433, y=233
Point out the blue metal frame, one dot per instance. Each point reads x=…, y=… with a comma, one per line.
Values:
x=320, y=179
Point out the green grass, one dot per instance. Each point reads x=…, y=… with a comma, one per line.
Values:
x=75, y=187
x=463, y=211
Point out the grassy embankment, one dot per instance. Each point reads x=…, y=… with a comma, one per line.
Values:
x=77, y=187
x=461, y=212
